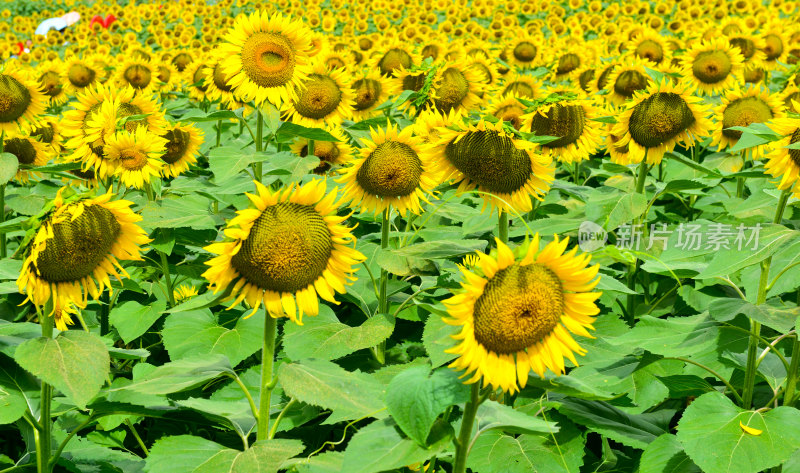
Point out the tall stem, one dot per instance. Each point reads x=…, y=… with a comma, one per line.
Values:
x=257, y=169
x=502, y=226
x=791, y=380
x=383, y=300
x=465, y=435
x=267, y=382
x=633, y=267
x=219, y=132
x=642, y=176
x=3, y=250
x=105, y=302
x=755, y=327
x=44, y=447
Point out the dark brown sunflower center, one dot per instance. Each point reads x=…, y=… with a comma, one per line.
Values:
x=568, y=63
x=602, y=81
x=525, y=51
x=337, y=62
x=325, y=150
x=127, y=109
x=80, y=75
x=491, y=160
x=483, y=71
x=452, y=90
x=788, y=100
x=364, y=43
x=585, y=78
x=659, y=118
x=746, y=46
x=22, y=148
x=753, y=75
x=138, y=76
x=773, y=46
x=628, y=82
x=199, y=78
x=794, y=57
x=164, y=74
x=221, y=79
x=794, y=154
x=519, y=307
x=132, y=159
x=744, y=112
x=711, y=67
x=564, y=121
x=45, y=133
x=413, y=82
x=288, y=248
x=511, y=114
x=78, y=245
x=367, y=93
x=393, y=169
x=177, y=144
x=181, y=61
x=320, y=97
x=268, y=59
x=430, y=51
x=394, y=59
x=14, y=99
x=51, y=83
x=650, y=50
x=520, y=89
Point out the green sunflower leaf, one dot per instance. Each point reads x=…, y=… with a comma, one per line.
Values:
x=8, y=167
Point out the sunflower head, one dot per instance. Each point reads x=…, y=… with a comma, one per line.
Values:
x=21, y=100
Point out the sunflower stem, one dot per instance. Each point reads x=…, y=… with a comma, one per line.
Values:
x=383, y=301
x=464, y=436
x=576, y=173
x=219, y=132
x=257, y=167
x=167, y=278
x=502, y=226
x=43, y=448
x=642, y=176
x=755, y=327
x=310, y=149
x=267, y=384
x=2, y=201
x=791, y=381
x=105, y=308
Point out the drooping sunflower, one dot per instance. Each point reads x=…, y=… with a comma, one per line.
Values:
x=21, y=100
x=49, y=74
x=396, y=56
x=370, y=90
x=323, y=99
x=656, y=119
x=431, y=122
x=266, y=57
x=712, y=66
x=76, y=249
x=572, y=121
x=330, y=153
x=743, y=107
x=516, y=313
x=522, y=86
x=457, y=87
x=485, y=156
x=487, y=70
x=137, y=155
x=625, y=80
x=394, y=170
x=618, y=153
x=285, y=252
x=181, y=148
x=782, y=162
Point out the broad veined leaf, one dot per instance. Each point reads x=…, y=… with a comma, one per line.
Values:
x=132, y=319
x=197, y=332
x=179, y=375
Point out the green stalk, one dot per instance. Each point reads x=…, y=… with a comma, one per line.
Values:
x=43, y=448
x=310, y=148
x=631, y=277
x=267, y=382
x=576, y=173
x=257, y=167
x=755, y=327
x=167, y=278
x=105, y=308
x=383, y=300
x=791, y=381
x=219, y=132
x=642, y=176
x=465, y=435
x=3, y=251
x=502, y=226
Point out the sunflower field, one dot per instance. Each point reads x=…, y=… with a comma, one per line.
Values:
x=323, y=236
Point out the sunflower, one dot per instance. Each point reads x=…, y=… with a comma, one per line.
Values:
x=649, y=46
x=77, y=247
x=217, y=83
x=370, y=90
x=487, y=69
x=48, y=132
x=485, y=156
x=394, y=170
x=784, y=163
x=599, y=80
x=266, y=57
x=790, y=94
x=431, y=122
x=323, y=100
x=625, y=80
x=516, y=313
x=137, y=73
x=743, y=107
x=522, y=86
x=751, y=47
x=82, y=73
x=80, y=130
x=507, y=108
x=712, y=66
x=776, y=45
x=181, y=148
x=567, y=63
x=29, y=152
x=330, y=153
x=289, y=249
x=572, y=121
x=196, y=78
x=136, y=155
x=21, y=100
x=525, y=49
x=166, y=76
x=396, y=57
x=458, y=87
x=184, y=292
x=49, y=76
x=656, y=119
x=617, y=152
